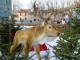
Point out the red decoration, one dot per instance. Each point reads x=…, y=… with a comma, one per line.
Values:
x=42, y=47
x=12, y=35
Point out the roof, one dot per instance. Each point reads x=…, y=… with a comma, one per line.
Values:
x=24, y=11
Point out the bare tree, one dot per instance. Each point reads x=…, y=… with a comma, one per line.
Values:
x=49, y=9
x=16, y=4
x=44, y=11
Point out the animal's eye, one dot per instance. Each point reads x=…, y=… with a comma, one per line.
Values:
x=49, y=27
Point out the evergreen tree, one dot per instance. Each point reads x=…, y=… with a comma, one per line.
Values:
x=68, y=47
x=76, y=20
x=4, y=41
x=76, y=25
x=77, y=7
x=7, y=31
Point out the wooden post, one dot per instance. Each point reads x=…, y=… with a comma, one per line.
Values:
x=10, y=33
x=0, y=38
x=9, y=29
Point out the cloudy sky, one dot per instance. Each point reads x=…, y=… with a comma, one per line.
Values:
x=27, y=3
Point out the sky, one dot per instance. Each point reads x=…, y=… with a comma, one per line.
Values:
x=25, y=4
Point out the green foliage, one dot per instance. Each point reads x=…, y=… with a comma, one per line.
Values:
x=76, y=25
x=68, y=46
x=77, y=7
x=4, y=42
x=4, y=49
x=76, y=21
x=5, y=30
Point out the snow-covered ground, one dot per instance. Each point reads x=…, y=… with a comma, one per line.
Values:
x=44, y=53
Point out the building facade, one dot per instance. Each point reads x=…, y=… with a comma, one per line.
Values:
x=5, y=9
x=23, y=15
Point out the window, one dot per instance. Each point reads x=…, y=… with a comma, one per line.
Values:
x=25, y=14
x=20, y=14
x=0, y=8
x=8, y=9
x=5, y=9
x=25, y=18
x=7, y=1
x=34, y=19
x=20, y=18
x=0, y=1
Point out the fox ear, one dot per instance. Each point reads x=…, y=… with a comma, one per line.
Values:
x=43, y=23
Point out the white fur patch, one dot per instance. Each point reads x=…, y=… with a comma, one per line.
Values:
x=40, y=40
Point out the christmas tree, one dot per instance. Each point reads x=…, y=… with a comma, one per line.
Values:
x=7, y=31
x=76, y=20
x=76, y=25
x=68, y=47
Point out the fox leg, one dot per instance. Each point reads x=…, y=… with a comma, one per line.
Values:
x=26, y=49
x=15, y=44
x=37, y=49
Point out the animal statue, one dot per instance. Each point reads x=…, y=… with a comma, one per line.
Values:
x=33, y=37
